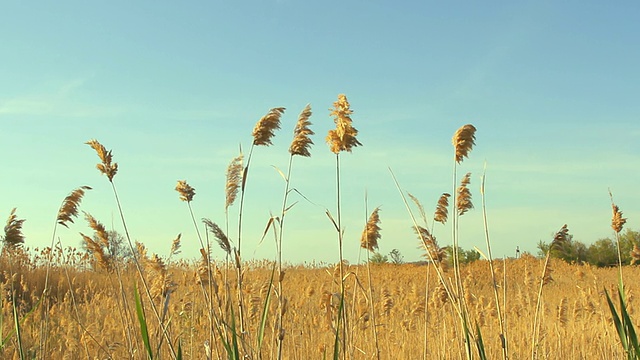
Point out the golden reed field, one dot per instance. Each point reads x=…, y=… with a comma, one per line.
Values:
x=96, y=303
x=98, y=319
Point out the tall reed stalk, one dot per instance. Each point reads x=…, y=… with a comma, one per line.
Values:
x=109, y=168
x=369, y=242
x=300, y=146
x=559, y=240
x=494, y=283
x=342, y=138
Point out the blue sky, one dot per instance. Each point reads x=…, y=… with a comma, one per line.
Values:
x=175, y=88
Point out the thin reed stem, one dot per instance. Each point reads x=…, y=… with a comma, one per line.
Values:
x=503, y=341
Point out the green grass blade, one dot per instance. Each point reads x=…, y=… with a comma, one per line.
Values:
x=336, y=344
x=16, y=322
x=143, y=323
x=265, y=312
x=13, y=331
x=235, y=354
x=480, y=344
x=632, y=339
x=618, y=324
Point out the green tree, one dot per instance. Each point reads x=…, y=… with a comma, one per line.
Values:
x=378, y=258
x=603, y=253
x=571, y=251
x=396, y=257
x=465, y=256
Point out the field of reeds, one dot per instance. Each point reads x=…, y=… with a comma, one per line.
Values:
x=65, y=303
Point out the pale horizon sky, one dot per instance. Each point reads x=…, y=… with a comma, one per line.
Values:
x=174, y=89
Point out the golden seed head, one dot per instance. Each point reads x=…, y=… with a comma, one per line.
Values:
x=13, y=236
x=301, y=141
x=617, y=221
x=371, y=233
x=463, y=141
x=69, y=208
x=234, y=180
x=106, y=167
x=186, y=191
x=343, y=137
x=266, y=126
x=220, y=236
x=463, y=200
x=442, y=213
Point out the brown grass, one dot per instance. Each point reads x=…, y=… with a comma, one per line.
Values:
x=463, y=140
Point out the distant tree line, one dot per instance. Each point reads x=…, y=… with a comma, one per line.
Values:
x=603, y=252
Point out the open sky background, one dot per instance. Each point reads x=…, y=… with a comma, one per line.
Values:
x=174, y=89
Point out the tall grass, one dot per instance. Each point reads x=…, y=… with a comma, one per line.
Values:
x=60, y=303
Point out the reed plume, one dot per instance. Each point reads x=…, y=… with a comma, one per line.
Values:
x=301, y=140
x=69, y=208
x=175, y=246
x=429, y=243
x=100, y=248
x=560, y=238
x=635, y=254
x=617, y=221
x=266, y=126
x=217, y=232
x=343, y=137
x=185, y=190
x=463, y=141
x=371, y=233
x=13, y=236
x=99, y=229
x=415, y=200
x=234, y=180
x=442, y=213
x=463, y=200
x=107, y=167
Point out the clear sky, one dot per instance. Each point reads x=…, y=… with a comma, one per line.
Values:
x=174, y=88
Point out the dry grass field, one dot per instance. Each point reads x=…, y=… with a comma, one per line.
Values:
x=97, y=319
x=71, y=304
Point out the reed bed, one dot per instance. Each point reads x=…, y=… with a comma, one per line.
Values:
x=65, y=303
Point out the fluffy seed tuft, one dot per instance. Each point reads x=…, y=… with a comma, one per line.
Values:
x=69, y=208
x=186, y=191
x=106, y=167
x=266, y=126
x=463, y=141
x=463, y=201
x=234, y=180
x=343, y=137
x=371, y=233
x=301, y=141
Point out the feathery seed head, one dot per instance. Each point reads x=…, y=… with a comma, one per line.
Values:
x=175, y=246
x=635, y=254
x=463, y=141
x=234, y=180
x=301, y=141
x=428, y=242
x=343, y=137
x=265, y=127
x=13, y=236
x=100, y=230
x=186, y=191
x=69, y=208
x=442, y=213
x=463, y=200
x=220, y=236
x=561, y=237
x=106, y=167
x=617, y=221
x=371, y=233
